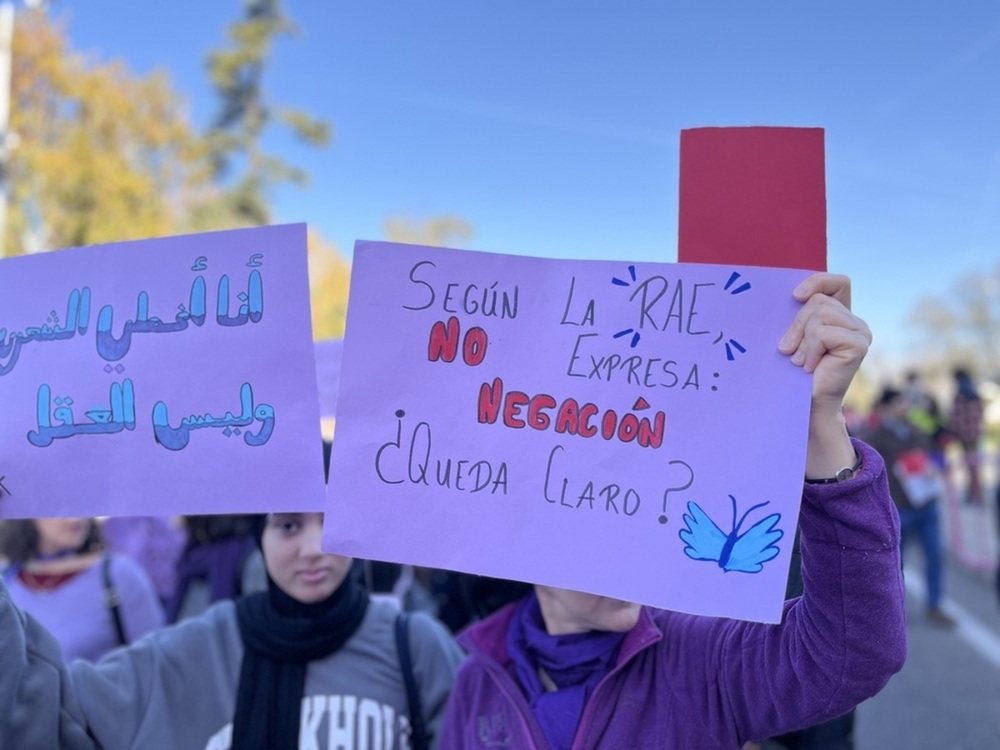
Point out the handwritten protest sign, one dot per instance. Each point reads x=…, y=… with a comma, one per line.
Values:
x=164, y=376
x=617, y=428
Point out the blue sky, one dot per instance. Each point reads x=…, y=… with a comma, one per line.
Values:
x=552, y=127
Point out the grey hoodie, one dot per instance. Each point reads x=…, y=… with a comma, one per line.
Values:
x=176, y=688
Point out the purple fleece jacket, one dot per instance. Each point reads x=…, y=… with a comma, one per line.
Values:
x=688, y=682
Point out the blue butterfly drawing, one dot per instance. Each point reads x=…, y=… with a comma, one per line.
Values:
x=746, y=552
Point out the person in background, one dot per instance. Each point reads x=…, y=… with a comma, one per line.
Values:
x=997, y=507
x=562, y=669
x=966, y=424
x=221, y=560
x=923, y=412
x=308, y=663
x=402, y=586
x=916, y=486
x=155, y=543
x=90, y=600
x=463, y=598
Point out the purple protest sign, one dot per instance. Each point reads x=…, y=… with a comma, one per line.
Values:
x=160, y=377
x=624, y=429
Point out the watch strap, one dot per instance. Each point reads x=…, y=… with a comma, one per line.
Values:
x=842, y=475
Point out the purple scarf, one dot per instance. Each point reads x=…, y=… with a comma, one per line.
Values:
x=576, y=663
x=219, y=563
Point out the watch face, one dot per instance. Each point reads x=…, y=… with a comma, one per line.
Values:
x=844, y=474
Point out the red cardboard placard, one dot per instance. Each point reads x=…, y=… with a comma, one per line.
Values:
x=753, y=196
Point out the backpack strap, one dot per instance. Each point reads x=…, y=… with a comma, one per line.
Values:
x=113, y=601
x=418, y=730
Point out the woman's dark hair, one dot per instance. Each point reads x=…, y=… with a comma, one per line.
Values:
x=463, y=598
x=966, y=387
x=208, y=529
x=19, y=540
x=888, y=395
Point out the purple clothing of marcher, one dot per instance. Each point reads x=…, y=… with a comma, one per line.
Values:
x=699, y=683
x=77, y=614
x=219, y=563
x=154, y=542
x=575, y=663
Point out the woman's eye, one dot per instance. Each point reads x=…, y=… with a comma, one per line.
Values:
x=285, y=525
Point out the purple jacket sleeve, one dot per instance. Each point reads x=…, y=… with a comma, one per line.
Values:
x=456, y=714
x=841, y=641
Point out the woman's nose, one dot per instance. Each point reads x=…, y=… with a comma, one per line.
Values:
x=311, y=540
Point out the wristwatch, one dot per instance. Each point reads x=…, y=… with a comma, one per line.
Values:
x=842, y=475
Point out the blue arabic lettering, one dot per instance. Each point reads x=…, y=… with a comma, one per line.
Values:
x=177, y=438
x=112, y=349
x=265, y=415
x=251, y=302
x=59, y=423
x=77, y=321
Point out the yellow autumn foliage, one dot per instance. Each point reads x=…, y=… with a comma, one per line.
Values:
x=100, y=153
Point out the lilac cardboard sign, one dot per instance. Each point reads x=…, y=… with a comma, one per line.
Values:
x=160, y=377
x=623, y=429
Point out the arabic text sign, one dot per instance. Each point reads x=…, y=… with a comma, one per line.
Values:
x=164, y=376
x=623, y=429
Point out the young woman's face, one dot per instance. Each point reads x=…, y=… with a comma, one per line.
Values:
x=566, y=611
x=294, y=560
x=57, y=535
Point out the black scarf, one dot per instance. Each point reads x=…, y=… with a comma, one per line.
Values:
x=281, y=636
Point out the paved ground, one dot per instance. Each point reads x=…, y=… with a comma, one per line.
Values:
x=948, y=695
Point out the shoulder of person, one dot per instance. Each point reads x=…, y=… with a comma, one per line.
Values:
x=425, y=633
x=433, y=645
x=379, y=623
x=126, y=573
x=424, y=626
x=220, y=615
x=214, y=630
x=123, y=565
x=381, y=613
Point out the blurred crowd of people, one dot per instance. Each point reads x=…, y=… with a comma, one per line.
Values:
x=911, y=430
x=97, y=584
